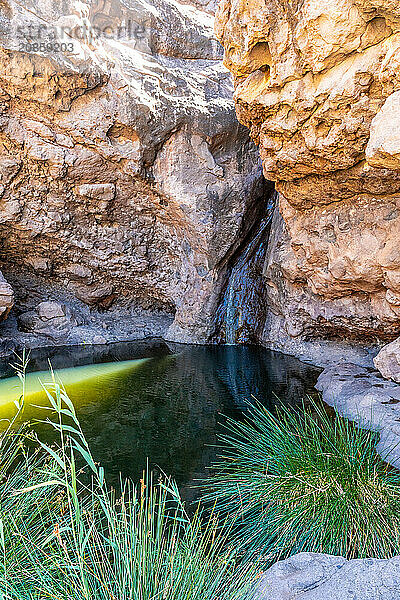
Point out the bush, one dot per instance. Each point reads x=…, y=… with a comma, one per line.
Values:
x=305, y=481
x=66, y=535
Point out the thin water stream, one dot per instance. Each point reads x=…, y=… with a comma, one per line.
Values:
x=242, y=311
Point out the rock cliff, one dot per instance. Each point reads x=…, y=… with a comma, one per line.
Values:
x=318, y=85
x=129, y=193
x=126, y=182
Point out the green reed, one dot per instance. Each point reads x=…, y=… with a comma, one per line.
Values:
x=65, y=534
x=305, y=481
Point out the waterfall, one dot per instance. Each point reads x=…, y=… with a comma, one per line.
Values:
x=241, y=313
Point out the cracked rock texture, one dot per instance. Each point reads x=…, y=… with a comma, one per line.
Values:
x=126, y=183
x=318, y=86
x=313, y=576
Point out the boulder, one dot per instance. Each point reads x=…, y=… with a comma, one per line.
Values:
x=387, y=361
x=51, y=319
x=312, y=576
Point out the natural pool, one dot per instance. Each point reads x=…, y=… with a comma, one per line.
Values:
x=158, y=400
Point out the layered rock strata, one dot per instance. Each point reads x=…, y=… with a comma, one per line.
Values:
x=126, y=183
x=318, y=86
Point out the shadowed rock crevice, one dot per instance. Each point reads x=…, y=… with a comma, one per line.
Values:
x=243, y=308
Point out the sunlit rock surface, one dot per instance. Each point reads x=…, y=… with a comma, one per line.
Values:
x=318, y=84
x=126, y=182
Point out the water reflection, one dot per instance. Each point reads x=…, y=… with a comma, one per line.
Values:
x=168, y=409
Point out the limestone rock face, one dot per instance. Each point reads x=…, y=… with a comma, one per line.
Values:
x=388, y=361
x=313, y=576
x=318, y=85
x=126, y=182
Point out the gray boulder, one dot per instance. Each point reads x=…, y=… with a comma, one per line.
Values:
x=51, y=319
x=362, y=395
x=388, y=361
x=309, y=576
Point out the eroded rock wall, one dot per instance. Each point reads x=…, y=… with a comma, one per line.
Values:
x=126, y=182
x=318, y=85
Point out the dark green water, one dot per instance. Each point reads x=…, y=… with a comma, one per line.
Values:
x=169, y=409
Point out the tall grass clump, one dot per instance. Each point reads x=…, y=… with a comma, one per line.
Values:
x=65, y=534
x=305, y=481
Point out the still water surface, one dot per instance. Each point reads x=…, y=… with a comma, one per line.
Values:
x=156, y=400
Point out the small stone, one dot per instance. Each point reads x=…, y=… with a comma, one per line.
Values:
x=50, y=310
x=40, y=264
x=78, y=271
